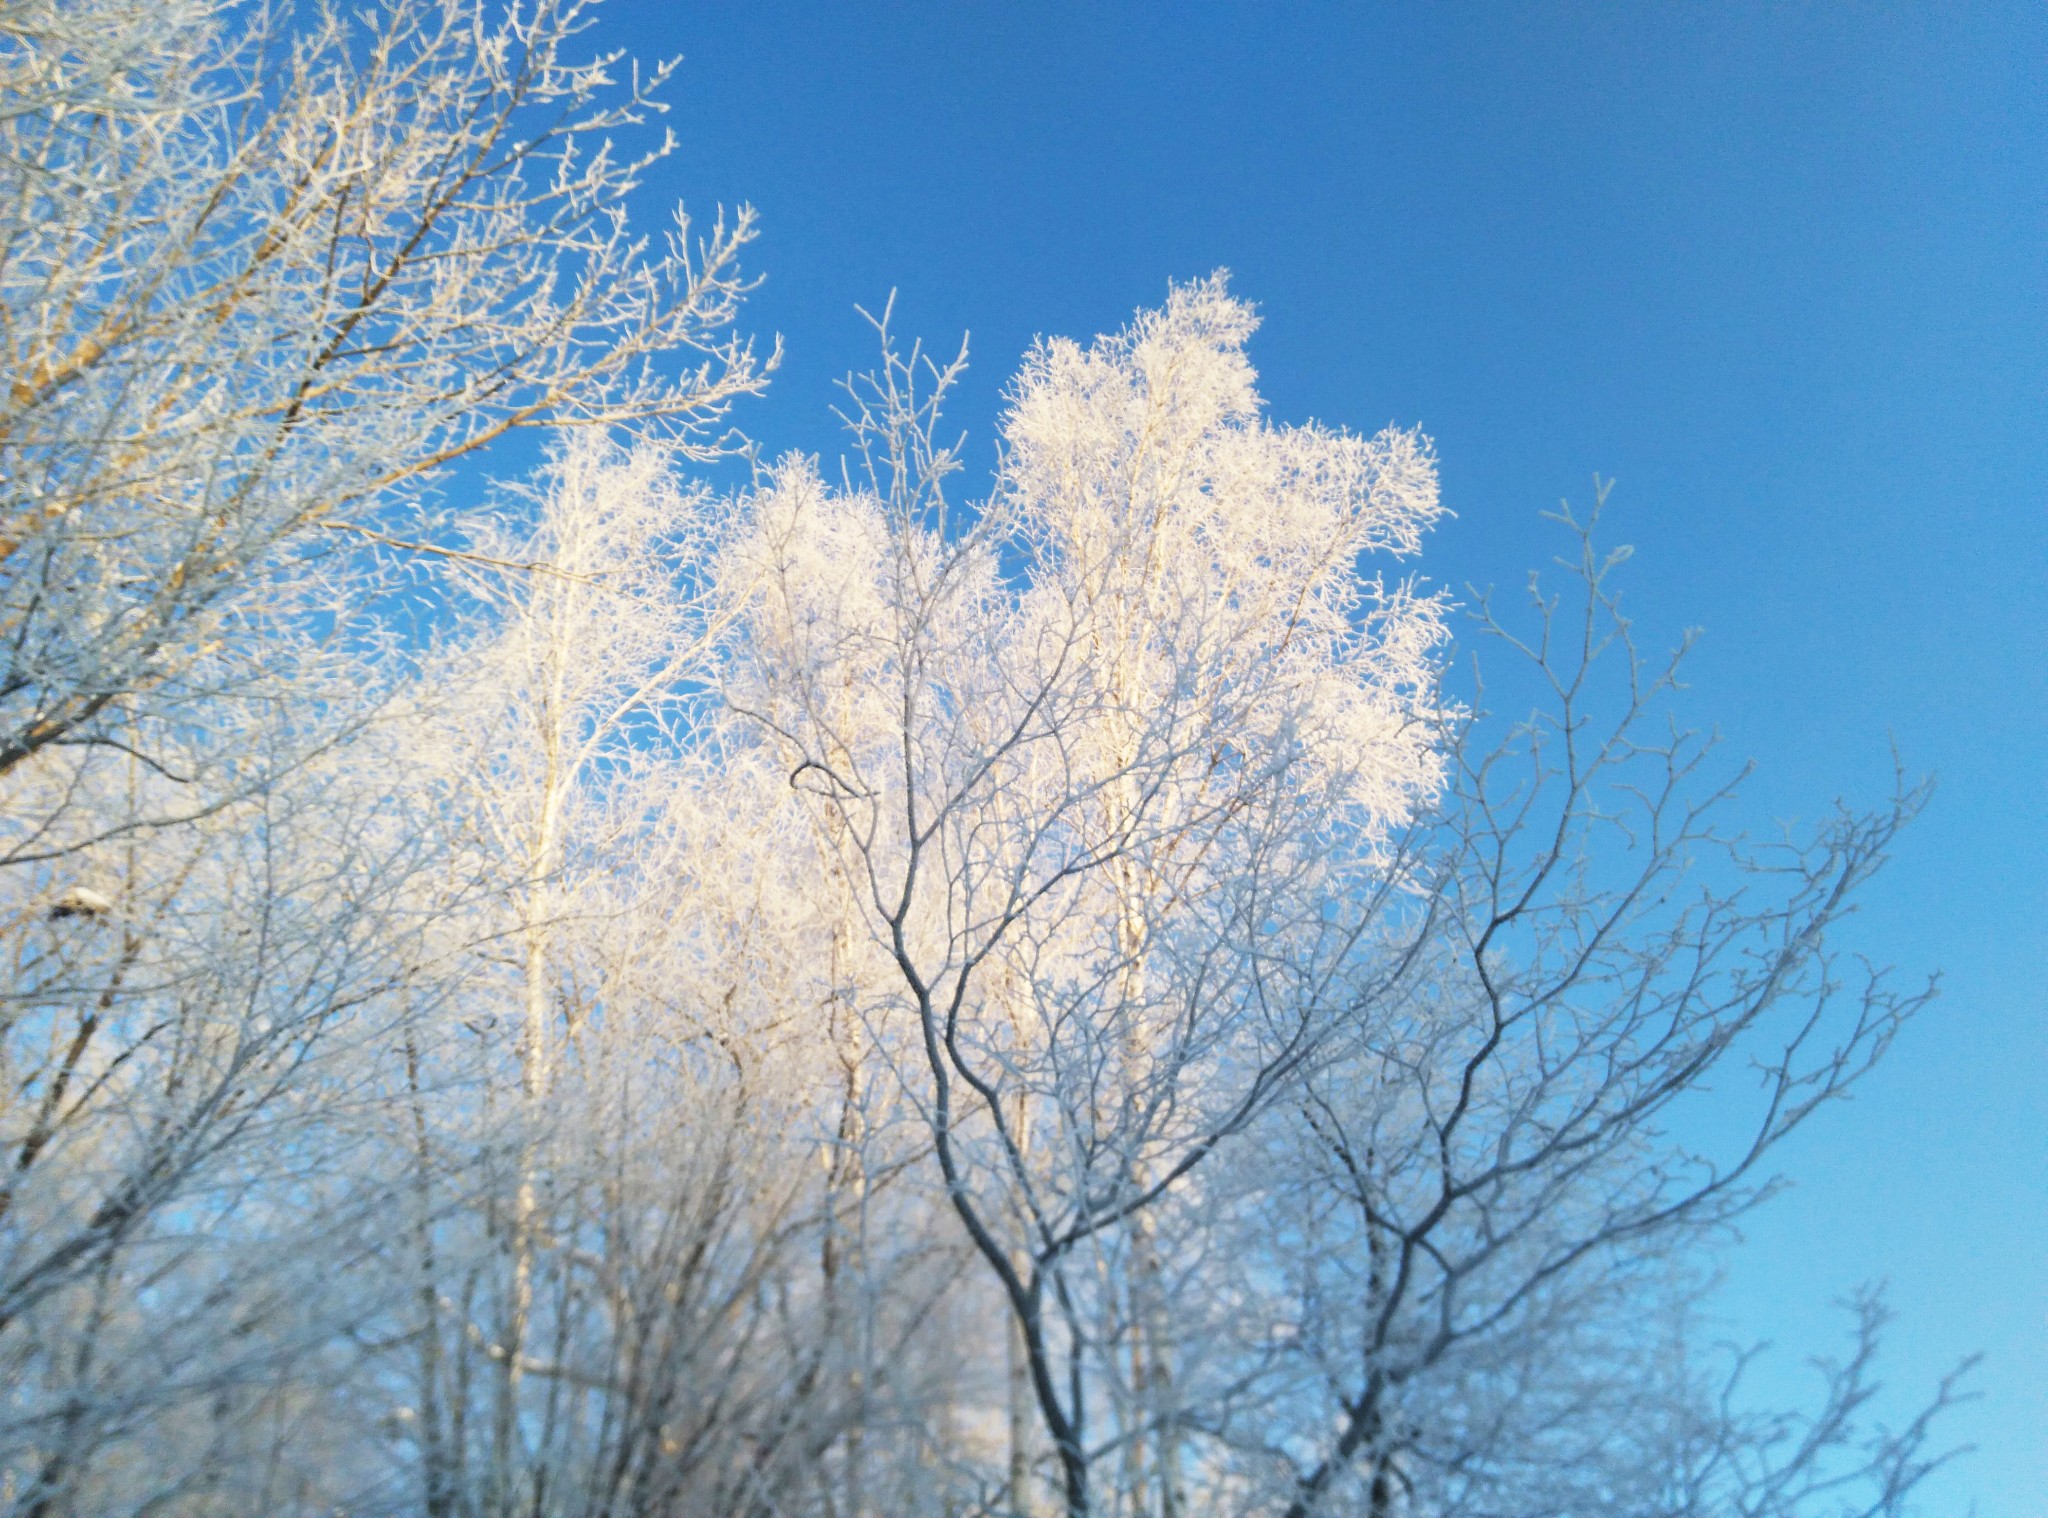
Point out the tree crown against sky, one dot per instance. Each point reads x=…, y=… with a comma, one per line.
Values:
x=829, y=999
x=265, y=275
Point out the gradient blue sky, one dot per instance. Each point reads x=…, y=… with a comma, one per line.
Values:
x=1776, y=269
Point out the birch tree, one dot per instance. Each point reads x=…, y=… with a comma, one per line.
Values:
x=1101, y=761
x=185, y=1041
x=1479, y=1236
x=640, y=1287
x=261, y=276
x=1297, y=1062
x=830, y=1000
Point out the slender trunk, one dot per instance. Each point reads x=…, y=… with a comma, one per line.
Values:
x=1132, y=936
x=1134, y=1436
x=1018, y=1494
x=1380, y=1493
x=1152, y=1379
x=533, y=1081
x=1152, y=1452
x=439, y=1494
x=856, y=1468
x=846, y=1182
x=1074, y=1474
x=1022, y=1500
x=459, y=1398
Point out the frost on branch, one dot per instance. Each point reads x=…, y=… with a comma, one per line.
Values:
x=266, y=274
x=842, y=1002
x=1111, y=762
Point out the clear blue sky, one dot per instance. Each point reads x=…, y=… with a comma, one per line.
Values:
x=1776, y=268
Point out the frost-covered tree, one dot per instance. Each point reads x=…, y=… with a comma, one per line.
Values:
x=182, y=1126
x=645, y=1278
x=1298, y=1060
x=828, y=1000
x=1476, y=1259
x=1111, y=766
x=261, y=276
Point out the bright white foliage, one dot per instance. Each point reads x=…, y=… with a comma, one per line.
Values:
x=830, y=1003
x=1111, y=769
x=264, y=275
x=1214, y=558
x=1158, y=558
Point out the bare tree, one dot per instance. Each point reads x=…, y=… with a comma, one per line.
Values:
x=181, y=1130
x=261, y=277
x=1475, y=1219
x=639, y=1288
x=1097, y=808
x=1314, y=1123
x=830, y=1001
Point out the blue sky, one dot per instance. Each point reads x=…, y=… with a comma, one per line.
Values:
x=1775, y=269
